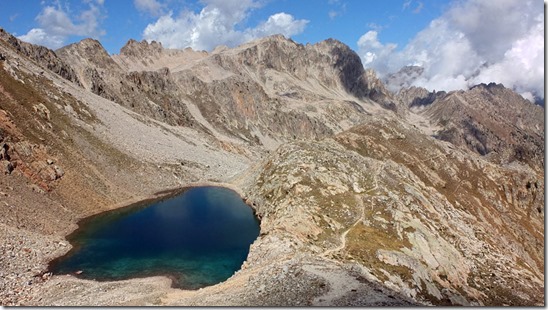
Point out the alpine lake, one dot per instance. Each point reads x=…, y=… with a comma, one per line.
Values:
x=197, y=238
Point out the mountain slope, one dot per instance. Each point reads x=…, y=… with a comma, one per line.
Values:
x=43, y=56
x=490, y=120
x=265, y=92
x=440, y=224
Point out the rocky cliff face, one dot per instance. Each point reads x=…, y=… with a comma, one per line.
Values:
x=93, y=66
x=366, y=198
x=331, y=63
x=150, y=93
x=240, y=92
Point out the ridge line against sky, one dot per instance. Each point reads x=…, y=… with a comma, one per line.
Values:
x=458, y=43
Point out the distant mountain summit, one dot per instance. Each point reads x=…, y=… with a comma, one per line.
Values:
x=404, y=78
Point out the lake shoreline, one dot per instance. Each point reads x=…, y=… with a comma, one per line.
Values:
x=135, y=205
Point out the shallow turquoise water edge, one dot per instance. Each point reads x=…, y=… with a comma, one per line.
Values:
x=197, y=238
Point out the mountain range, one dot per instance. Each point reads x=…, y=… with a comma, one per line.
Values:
x=366, y=196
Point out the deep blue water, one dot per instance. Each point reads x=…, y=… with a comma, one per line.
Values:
x=198, y=238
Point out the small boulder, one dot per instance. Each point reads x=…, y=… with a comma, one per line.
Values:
x=36, y=188
x=58, y=172
x=4, y=148
x=42, y=110
x=24, y=149
x=46, y=276
x=46, y=173
x=7, y=166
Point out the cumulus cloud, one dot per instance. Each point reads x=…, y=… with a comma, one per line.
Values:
x=56, y=25
x=374, y=53
x=282, y=23
x=522, y=65
x=473, y=42
x=40, y=37
x=217, y=24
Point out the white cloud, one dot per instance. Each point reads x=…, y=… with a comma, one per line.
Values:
x=474, y=41
x=216, y=24
x=374, y=53
x=151, y=7
x=56, y=21
x=522, y=66
x=56, y=25
x=493, y=26
x=40, y=37
x=280, y=23
x=375, y=26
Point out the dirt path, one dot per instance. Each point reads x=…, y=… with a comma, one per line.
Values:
x=361, y=218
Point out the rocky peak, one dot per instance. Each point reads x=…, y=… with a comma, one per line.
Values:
x=418, y=96
x=134, y=48
x=330, y=62
x=90, y=44
x=353, y=76
x=151, y=56
x=347, y=62
x=272, y=51
x=272, y=40
x=342, y=57
x=94, y=66
x=276, y=38
x=90, y=50
x=491, y=87
x=404, y=78
x=330, y=44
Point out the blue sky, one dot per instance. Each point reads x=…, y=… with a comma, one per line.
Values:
x=459, y=43
x=120, y=20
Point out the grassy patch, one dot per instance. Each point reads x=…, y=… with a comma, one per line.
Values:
x=363, y=242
